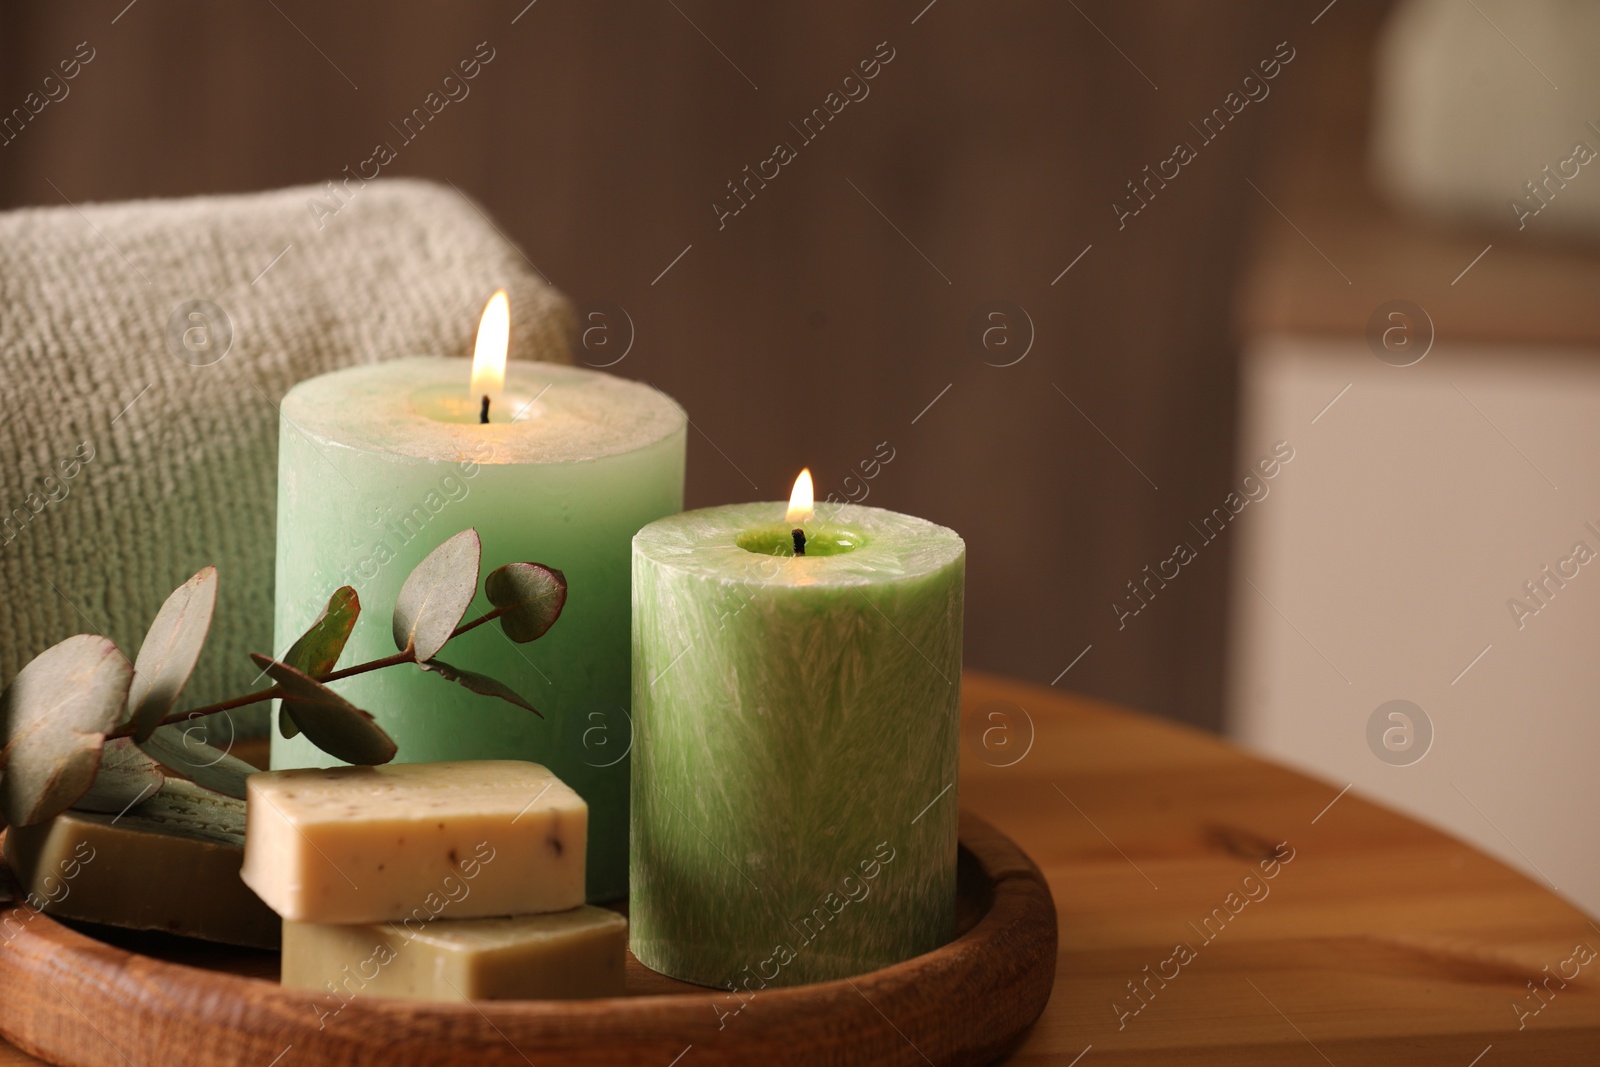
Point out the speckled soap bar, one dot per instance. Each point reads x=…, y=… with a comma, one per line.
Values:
x=427, y=840
x=169, y=863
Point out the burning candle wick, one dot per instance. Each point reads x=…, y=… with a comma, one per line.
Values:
x=799, y=542
x=483, y=412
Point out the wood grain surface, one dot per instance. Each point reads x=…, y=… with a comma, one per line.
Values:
x=1380, y=942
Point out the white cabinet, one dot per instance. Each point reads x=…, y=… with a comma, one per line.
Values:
x=1420, y=507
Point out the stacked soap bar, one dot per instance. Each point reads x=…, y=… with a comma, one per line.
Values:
x=439, y=881
x=170, y=863
x=560, y=956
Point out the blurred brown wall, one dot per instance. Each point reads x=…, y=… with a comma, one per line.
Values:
x=824, y=317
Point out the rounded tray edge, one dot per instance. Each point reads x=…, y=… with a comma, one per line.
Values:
x=966, y=1002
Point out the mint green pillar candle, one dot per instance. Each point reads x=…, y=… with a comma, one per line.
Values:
x=795, y=743
x=379, y=464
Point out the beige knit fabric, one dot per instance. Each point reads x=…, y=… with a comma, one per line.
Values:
x=128, y=467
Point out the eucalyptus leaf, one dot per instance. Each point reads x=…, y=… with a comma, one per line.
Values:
x=318, y=649
x=171, y=649
x=54, y=717
x=181, y=748
x=328, y=720
x=478, y=683
x=531, y=595
x=436, y=594
x=126, y=776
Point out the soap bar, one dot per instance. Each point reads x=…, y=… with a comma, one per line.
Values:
x=168, y=863
x=380, y=844
x=563, y=955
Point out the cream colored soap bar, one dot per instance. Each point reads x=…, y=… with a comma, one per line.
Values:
x=169, y=863
x=564, y=955
x=422, y=840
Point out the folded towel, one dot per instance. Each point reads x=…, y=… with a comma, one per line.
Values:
x=139, y=428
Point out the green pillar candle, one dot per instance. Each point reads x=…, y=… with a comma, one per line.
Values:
x=795, y=743
x=379, y=464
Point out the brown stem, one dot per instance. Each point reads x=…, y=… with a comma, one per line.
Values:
x=373, y=665
x=127, y=729
x=226, y=705
x=487, y=616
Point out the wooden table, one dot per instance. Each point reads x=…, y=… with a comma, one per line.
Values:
x=1376, y=941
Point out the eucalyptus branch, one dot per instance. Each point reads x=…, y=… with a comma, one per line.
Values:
x=52, y=759
x=275, y=692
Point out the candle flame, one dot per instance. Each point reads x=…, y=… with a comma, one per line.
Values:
x=802, y=502
x=489, y=357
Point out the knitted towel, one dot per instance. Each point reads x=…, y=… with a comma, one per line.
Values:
x=139, y=430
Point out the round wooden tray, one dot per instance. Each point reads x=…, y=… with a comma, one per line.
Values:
x=108, y=998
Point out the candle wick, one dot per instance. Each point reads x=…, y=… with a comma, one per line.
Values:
x=483, y=413
x=799, y=542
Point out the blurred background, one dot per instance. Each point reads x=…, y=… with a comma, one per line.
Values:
x=1251, y=347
